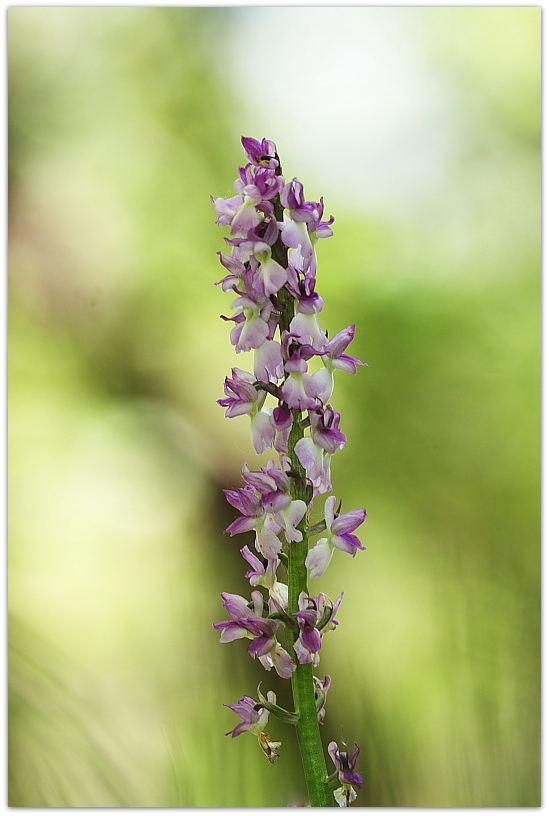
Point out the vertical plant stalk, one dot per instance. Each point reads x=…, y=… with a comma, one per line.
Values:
x=308, y=728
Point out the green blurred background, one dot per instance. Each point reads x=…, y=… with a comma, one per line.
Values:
x=421, y=127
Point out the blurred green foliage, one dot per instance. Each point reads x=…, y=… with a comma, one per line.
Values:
x=121, y=126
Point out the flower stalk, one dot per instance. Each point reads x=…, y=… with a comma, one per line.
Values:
x=272, y=271
x=303, y=689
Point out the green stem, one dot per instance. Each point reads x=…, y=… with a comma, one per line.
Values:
x=308, y=729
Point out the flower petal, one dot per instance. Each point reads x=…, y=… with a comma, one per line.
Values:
x=318, y=558
x=262, y=431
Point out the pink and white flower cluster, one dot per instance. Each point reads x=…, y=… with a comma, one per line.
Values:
x=271, y=270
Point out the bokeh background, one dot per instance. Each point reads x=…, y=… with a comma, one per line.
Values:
x=421, y=128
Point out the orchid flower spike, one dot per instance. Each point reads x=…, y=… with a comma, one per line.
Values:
x=285, y=392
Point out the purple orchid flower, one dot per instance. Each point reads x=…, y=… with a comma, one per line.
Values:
x=264, y=574
x=255, y=721
x=256, y=247
x=312, y=213
x=236, y=268
x=340, y=534
x=303, y=290
x=304, y=325
x=296, y=354
x=333, y=358
x=316, y=616
x=315, y=452
x=244, y=212
x=292, y=196
x=345, y=768
x=299, y=389
x=258, y=183
x=303, y=226
x=321, y=692
x=251, y=322
x=247, y=215
x=242, y=397
x=252, y=720
x=273, y=484
x=261, y=153
x=271, y=274
x=267, y=508
x=335, y=348
x=254, y=517
x=249, y=623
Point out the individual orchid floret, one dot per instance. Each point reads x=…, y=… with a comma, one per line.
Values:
x=339, y=535
x=264, y=574
x=292, y=197
x=315, y=452
x=302, y=228
x=251, y=322
x=246, y=620
x=252, y=720
x=236, y=268
x=312, y=212
x=306, y=212
x=295, y=236
x=315, y=617
x=264, y=232
x=244, y=211
x=279, y=659
x=256, y=247
x=274, y=484
x=289, y=517
x=244, y=398
x=272, y=275
x=295, y=233
x=299, y=390
x=335, y=348
x=262, y=154
x=306, y=328
x=345, y=770
x=325, y=429
x=255, y=721
x=334, y=357
x=245, y=216
x=303, y=290
x=304, y=325
x=321, y=692
x=254, y=517
x=249, y=623
x=258, y=183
